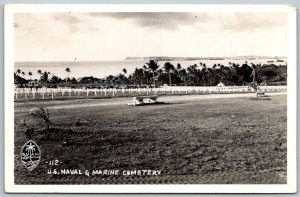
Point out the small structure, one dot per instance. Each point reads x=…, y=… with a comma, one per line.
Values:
x=221, y=85
x=144, y=100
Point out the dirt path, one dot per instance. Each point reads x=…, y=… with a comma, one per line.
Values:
x=124, y=101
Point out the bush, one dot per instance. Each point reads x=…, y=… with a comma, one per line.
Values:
x=41, y=113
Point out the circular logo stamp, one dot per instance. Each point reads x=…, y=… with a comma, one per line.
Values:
x=30, y=155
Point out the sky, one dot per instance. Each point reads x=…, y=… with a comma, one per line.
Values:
x=115, y=36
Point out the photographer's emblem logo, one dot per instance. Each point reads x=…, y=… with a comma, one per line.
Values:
x=30, y=155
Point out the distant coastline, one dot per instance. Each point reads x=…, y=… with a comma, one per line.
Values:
x=166, y=58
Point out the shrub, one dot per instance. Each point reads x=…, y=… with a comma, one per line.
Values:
x=42, y=113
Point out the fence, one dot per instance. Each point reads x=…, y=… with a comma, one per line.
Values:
x=61, y=93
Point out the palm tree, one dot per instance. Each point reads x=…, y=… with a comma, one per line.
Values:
x=253, y=73
x=138, y=75
x=145, y=72
x=68, y=70
x=168, y=68
x=124, y=71
x=23, y=73
x=40, y=73
x=45, y=76
x=182, y=75
x=179, y=67
x=17, y=73
x=152, y=65
x=30, y=74
x=204, y=73
x=31, y=149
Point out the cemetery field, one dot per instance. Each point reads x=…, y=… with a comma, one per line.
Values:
x=216, y=140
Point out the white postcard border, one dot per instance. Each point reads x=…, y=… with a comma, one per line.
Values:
x=291, y=185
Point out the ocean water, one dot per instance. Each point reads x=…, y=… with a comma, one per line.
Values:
x=102, y=69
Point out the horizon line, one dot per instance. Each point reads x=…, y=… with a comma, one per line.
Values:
x=272, y=56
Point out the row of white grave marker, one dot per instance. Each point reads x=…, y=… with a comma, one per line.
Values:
x=29, y=93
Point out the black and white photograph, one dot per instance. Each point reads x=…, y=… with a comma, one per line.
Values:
x=150, y=95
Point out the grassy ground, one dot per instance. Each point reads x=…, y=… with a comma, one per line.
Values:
x=234, y=140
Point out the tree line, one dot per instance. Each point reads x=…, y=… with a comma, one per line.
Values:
x=202, y=75
x=153, y=74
